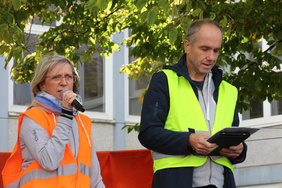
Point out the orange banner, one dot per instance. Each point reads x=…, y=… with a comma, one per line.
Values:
x=119, y=169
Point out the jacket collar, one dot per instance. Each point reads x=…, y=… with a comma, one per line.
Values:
x=181, y=69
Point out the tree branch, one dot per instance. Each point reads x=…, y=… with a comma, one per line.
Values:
x=272, y=46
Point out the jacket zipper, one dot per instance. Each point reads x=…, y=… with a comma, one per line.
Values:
x=156, y=107
x=209, y=132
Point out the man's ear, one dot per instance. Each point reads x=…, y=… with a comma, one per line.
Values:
x=187, y=46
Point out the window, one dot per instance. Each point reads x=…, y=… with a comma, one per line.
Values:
x=92, y=84
x=255, y=112
x=276, y=107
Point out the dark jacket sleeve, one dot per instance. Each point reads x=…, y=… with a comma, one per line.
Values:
x=154, y=113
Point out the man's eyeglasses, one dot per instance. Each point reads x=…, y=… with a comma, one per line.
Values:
x=58, y=78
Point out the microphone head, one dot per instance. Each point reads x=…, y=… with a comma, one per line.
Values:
x=63, y=91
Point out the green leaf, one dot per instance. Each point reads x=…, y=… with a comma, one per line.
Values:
x=270, y=42
x=144, y=16
x=173, y=35
x=107, y=55
x=212, y=16
x=3, y=27
x=7, y=37
x=103, y=4
x=197, y=11
x=167, y=9
x=92, y=41
x=16, y=4
x=223, y=22
x=4, y=49
x=151, y=18
x=140, y=4
x=90, y=4
x=8, y=58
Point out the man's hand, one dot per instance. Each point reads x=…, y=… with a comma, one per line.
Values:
x=232, y=151
x=198, y=142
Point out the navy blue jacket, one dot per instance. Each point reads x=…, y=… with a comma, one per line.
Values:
x=153, y=136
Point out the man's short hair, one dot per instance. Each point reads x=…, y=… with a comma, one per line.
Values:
x=195, y=27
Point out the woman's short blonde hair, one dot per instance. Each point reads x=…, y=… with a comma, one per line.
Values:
x=48, y=62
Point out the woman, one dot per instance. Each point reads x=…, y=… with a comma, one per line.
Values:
x=54, y=146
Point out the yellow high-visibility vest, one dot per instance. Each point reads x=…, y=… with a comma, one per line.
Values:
x=185, y=112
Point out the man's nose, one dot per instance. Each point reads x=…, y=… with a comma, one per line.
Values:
x=212, y=56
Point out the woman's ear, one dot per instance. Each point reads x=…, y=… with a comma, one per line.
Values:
x=41, y=86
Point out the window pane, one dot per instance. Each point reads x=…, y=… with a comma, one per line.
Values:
x=142, y=83
x=92, y=84
x=35, y=20
x=276, y=107
x=255, y=112
x=22, y=92
x=135, y=88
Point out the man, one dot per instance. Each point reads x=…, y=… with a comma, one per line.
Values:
x=185, y=104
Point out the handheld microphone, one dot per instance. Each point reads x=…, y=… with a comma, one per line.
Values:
x=76, y=102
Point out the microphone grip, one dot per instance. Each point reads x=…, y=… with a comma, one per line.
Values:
x=75, y=103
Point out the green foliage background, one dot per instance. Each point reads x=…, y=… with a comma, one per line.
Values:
x=158, y=30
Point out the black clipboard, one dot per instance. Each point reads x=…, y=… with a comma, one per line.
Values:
x=230, y=136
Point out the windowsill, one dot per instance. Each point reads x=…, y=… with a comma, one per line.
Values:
x=132, y=120
x=262, y=122
x=97, y=117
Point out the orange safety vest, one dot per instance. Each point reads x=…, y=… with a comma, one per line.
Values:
x=70, y=173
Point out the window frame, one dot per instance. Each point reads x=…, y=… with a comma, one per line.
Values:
x=129, y=119
x=265, y=121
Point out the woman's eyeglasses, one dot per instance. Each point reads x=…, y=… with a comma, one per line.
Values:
x=58, y=78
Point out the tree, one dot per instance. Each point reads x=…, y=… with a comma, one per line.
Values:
x=158, y=30
x=160, y=41
x=79, y=26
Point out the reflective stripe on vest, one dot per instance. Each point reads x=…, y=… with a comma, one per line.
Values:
x=63, y=170
x=84, y=169
x=185, y=112
x=70, y=173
